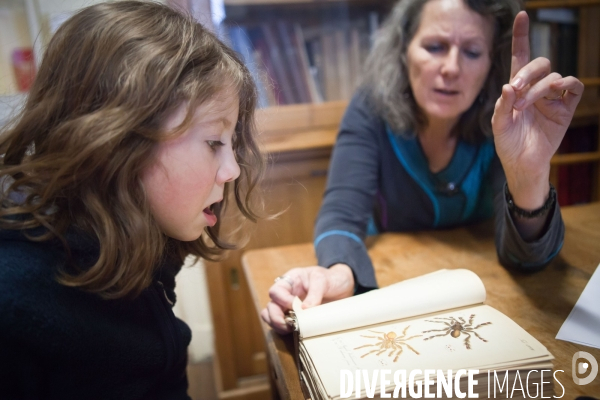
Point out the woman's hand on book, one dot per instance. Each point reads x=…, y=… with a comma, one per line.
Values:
x=314, y=285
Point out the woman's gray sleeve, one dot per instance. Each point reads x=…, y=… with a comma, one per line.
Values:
x=349, y=196
x=512, y=250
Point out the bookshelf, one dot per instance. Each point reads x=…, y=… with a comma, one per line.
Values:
x=303, y=52
x=576, y=166
x=298, y=139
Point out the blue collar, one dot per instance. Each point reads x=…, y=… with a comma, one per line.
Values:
x=463, y=175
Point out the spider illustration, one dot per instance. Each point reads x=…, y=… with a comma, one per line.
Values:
x=455, y=327
x=389, y=341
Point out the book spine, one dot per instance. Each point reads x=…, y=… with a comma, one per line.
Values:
x=315, y=57
x=330, y=70
x=540, y=40
x=355, y=59
x=567, y=49
x=343, y=64
x=242, y=45
x=300, y=43
x=278, y=65
x=554, y=35
x=293, y=62
x=264, y=59
x=575, y=180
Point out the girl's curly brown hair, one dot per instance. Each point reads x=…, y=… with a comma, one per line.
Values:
x=89, y=127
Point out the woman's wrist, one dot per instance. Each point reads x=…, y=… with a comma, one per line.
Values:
x=531, y=223
x=529, y=193
x=344, y=279
x=530, y=214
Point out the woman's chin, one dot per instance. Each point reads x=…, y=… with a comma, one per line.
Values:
x=444, y=112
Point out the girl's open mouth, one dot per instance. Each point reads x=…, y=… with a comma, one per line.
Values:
x=210, y=216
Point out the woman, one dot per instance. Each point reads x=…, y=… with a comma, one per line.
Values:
x=416, y=149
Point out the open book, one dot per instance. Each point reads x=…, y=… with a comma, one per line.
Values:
x=433, y=322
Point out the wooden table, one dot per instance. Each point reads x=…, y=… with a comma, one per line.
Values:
x=539, y=302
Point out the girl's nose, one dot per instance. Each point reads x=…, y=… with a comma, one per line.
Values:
x=230, y=169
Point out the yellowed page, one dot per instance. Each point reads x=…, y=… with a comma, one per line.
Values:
x=488, y=339
x=437, y=291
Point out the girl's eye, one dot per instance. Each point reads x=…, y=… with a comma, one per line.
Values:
x=214, y=144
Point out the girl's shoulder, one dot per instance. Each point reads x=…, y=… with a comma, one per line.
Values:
x=27, y=267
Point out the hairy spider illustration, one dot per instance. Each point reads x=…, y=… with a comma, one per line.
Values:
x=456, y=326
x=389, y=341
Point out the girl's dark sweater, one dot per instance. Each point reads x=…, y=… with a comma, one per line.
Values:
x=58, y=342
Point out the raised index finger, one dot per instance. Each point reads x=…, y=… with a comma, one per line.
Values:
x=520, y=43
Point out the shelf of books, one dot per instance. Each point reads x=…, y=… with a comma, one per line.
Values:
x=303, y=52
x=567, y=35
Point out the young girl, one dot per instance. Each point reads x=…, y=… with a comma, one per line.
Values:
x=139, y=124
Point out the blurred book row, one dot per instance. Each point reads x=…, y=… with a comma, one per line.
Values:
x=293, y=64
x=575, y=181
x=554, y=35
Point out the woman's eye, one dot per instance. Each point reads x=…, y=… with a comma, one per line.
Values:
x=434, y=48
x=472, y=54
x=214, y=144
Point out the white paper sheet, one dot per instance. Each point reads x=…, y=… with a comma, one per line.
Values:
x=582, y=326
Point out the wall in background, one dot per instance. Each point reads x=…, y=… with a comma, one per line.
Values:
x=192, y=306
x=14, y=33
x=31, y=23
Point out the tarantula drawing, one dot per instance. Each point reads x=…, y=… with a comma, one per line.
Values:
x=455, y=327
x=389, y=341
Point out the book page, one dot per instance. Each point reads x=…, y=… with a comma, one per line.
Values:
x=488, y=340
x=437, y=291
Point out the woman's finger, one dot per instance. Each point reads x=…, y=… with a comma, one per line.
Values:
x=531, y=73
x=282, y=292
x=542, y=89
x=276, y=318
x=503, y=111
x=264, y=314
x=520, y=43
x=316, y=290
x=574, y=90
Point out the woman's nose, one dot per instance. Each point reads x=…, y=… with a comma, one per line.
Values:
x=451, y=64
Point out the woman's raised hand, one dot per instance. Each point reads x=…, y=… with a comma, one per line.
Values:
x=315, y=285
x=531, y=118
